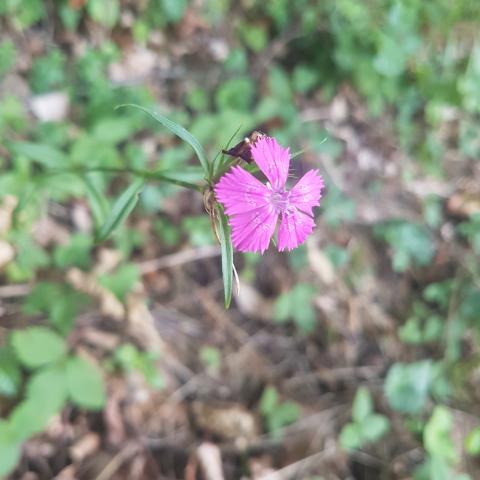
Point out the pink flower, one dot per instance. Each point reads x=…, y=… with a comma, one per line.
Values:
x=253, y=208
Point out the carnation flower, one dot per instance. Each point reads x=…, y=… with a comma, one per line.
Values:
x=253, y=208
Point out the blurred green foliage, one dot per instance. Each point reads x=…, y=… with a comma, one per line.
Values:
x=366, y=426
x=277, y=414
x=418, y=61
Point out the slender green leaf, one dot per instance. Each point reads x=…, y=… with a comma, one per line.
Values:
x=121, y=209
x=41, y=153
x=97, y=201
x=227, y=257
x=175, y=181
x=180, y=132
x=221, y=155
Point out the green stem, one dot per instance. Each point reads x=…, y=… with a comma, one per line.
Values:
x=146, y=174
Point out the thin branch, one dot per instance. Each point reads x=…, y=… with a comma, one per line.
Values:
x=179, y=258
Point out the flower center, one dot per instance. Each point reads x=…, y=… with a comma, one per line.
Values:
x=280, y=200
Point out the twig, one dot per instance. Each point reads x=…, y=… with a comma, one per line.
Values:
x=14, y=291
x=291, y=471
x=179, y=258
x=116, y=462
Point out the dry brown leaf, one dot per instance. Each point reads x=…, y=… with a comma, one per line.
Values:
x=227, y=421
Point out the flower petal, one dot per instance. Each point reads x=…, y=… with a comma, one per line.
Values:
x=252, y=230
x=307, y=192
x=273, y=160
x=295, y=227
x=239, y=191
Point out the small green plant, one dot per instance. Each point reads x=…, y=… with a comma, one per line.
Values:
x=423, y=326
x=211, y=357
x=471, y=230
x=297, y=305
x=53, y=377
x=472, y=442
x=411, y=244
x=407, y=386
x=442, y=455
x=366, y=426
x=129, y=358
x=277, y=414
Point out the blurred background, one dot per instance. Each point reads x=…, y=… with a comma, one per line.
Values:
x=355, y=356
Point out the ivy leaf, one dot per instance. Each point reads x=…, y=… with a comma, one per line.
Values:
x=85, y=384
x=37, y=346
x=121, y=209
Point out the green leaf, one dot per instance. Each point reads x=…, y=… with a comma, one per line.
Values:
x=114, y=130
x=76, y=253
x=9, y=450
x=362, y=405
x=436, y=435
x=374, y=427
x=284, y=414
x=236, y=93
x=85, y=384
x=28, y=419
x=350, y=437
x=297, y=304
x=60, y=302
x=37, y=346
x=407, y=385
x=174, y=9
x=105, y=12
x=97, y=201
x=41, y=153
x=268, y=401
x=121, y=209
x=48, y=388
x=122, y=280
x=211, y=357
x=227, y=257
x=472, y=442
x=9, y=373
x=199, y=230
x=180, y=132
